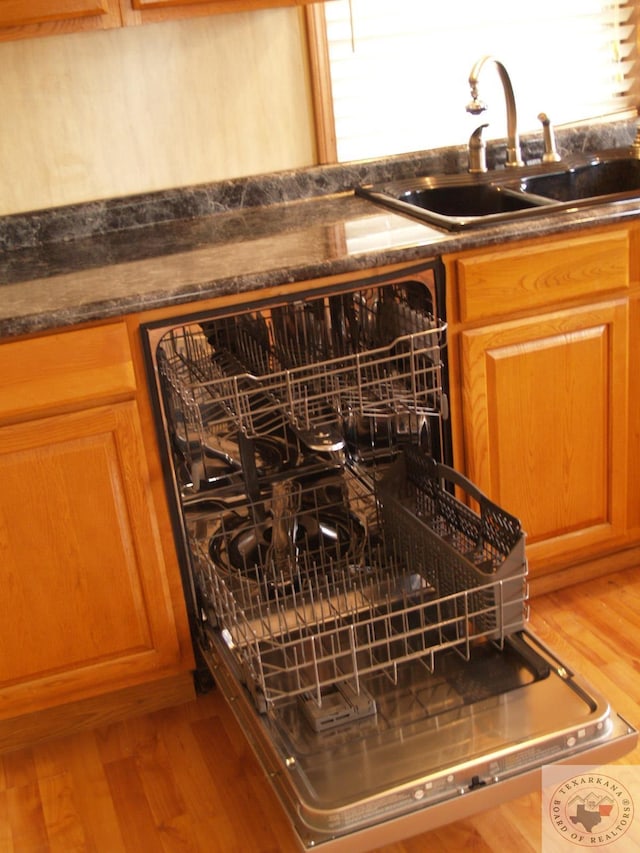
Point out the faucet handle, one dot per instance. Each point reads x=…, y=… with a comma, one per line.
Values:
x=550, y=152
x=477, y=151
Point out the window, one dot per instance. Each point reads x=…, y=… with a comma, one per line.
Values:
x=398, y=69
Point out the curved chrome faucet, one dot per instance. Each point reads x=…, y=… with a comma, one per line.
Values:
x=476, y=106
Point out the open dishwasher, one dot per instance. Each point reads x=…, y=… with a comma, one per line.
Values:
x=360, y=603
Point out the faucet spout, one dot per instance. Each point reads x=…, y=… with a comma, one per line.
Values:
x=514, y=155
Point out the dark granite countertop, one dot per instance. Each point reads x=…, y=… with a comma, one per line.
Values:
x=107, y=259
x=173, y=263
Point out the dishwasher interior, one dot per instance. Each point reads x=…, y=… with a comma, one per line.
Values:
x=363, y=604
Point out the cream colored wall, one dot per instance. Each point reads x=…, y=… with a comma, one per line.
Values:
x=105, y=114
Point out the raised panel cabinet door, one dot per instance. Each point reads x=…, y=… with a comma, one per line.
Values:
x=16, y=12
x=149, y=11
x=545, y=420
x=21, y=19
x=166, y=4
x=85, y=606
x=245, y=4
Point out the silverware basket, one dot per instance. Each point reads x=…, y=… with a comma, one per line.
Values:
x=454, y=547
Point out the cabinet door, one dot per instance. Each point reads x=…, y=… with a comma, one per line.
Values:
x=14, y=12
x=33, y=18
x=545, y=410
x=230, y=4
x=85, y=606
x=149, y=11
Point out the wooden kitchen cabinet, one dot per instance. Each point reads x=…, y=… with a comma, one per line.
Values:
x=21, y=19
x=151, y=11
x=32, y=18
x=545, y=402
x=38, y=11
x=544, y=347
x=89, y=607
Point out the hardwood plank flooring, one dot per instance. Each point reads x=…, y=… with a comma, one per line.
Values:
x=183, y=780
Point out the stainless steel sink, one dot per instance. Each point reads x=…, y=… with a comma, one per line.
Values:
x=457, y=202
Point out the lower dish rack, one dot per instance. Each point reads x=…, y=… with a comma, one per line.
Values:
x=323, y=583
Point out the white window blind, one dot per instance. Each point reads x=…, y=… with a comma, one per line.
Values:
x=400, y=68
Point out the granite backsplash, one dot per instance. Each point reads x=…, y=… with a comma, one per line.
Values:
x=77, y=222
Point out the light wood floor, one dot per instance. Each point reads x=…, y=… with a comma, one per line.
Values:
x=183, y=779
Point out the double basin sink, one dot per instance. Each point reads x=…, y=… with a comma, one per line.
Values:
x=458, y=202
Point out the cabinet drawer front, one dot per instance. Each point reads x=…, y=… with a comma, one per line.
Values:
x=65, y=371
x=535, y=276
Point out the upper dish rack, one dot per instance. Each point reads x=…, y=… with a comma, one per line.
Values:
x=308, y=367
